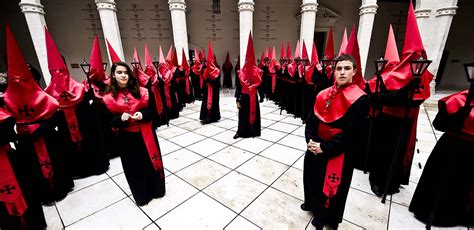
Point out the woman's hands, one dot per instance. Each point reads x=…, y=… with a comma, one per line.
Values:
x=136, y=116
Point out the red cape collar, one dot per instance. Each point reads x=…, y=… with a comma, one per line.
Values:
x=333, y=103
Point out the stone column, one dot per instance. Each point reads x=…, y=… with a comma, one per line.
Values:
x=110, y=27
x=364, y=34
x=245, y=26
x=308, y=21
x=435, y=17
x=178, y=20
x=34, y=15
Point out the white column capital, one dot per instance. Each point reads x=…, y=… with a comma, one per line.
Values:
x=446, y=11
x=422, y=13
x=309, y=6
x=106, y=5
x=368, y=9
x=30, y=7
x=177, y=5
x=246, y=5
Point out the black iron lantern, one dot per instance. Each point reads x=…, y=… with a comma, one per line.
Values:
x=380, y=65
x=216, y=6
x=104, y=64
x=469, y=67
x=156, y=63
x=86, y=67
x=419, y=66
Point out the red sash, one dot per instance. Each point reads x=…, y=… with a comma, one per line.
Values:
x=209, y=96
x=250, y=78
x=40, y=149
x=332, y=178
x=10, y=191
x=73, y=124
x=188, y=88
x=158, y=99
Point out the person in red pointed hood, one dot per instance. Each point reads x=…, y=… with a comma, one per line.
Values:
x=79, y=131
x=227, y=69
x=444, y=195
x=20, y=207
x=36, y=115
x=166, y=75
x=315, y=82
x=250, y=77
x=155, y=90
x=96, y=78
x=183, y=84
x=143, y=79
x=294, y=76
x=210, y=111
x=395, y=133
x=128, y=112
x=329, y=132
x=196, y=75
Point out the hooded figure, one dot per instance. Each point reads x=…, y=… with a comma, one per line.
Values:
x=227, y=69
x=157, y=108
x=20, y=206
x=183, y=84
x=196, y=75
x=37, y=117
x=391, y=151
x=210, y=111
x=313, y=82
x=330, y=131
x=80, y=131
x=96, y=79
x=166, y=73
x=250, y=77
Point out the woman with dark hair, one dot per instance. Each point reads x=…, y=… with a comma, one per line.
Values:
x=127, y=103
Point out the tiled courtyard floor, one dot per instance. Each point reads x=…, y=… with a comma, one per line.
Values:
x=216, y=182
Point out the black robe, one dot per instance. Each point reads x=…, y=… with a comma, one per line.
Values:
x=315, y=165
x=244, y=128
x=196, y=85
x=386, y=132
x=227, y=70
x=33, y=217
x=448, y=179
x=208, y=116
x=144, y=181
x=61, y=182
x=90, y=156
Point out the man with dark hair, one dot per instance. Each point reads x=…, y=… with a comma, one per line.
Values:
x=330, y=128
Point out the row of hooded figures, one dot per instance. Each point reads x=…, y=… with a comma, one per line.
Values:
x=69, y=130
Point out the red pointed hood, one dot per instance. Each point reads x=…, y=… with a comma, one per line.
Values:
x=314, y=54
x=169, y=56
x=304, y=54
x=413, y=48
x=353, y=50
x=62, y=87
x=97, y=72
x=136, y=57
x=211, y=72
x=185, y=64
x=313, y=66
x=391, y=50
x=288, y=51
x=113, y=55
x=24, y=99
x=175, y=58
x=329, y=52
x=165, y=69
x=196, y=56
x=227, y=64
x=297, y=50
x=250, y=75
x=343, y=46
x=202, y=55
x=282, y=51
x=273, y=62
x=149, y=67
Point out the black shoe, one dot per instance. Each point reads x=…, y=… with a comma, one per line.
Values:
x=316, y=224
x=376, y=190
x=305, y=207
x=236, y=136
x=334, y=226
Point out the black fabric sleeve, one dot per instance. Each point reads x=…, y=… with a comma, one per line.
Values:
x=340, y=143
x=444, y=122
x=7, y=133
x=311, y=129
x=238, y=89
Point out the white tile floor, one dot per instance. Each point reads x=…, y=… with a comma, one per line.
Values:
x=216, y=182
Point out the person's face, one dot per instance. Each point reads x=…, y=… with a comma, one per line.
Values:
x=344, y=72
x=121, y=76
